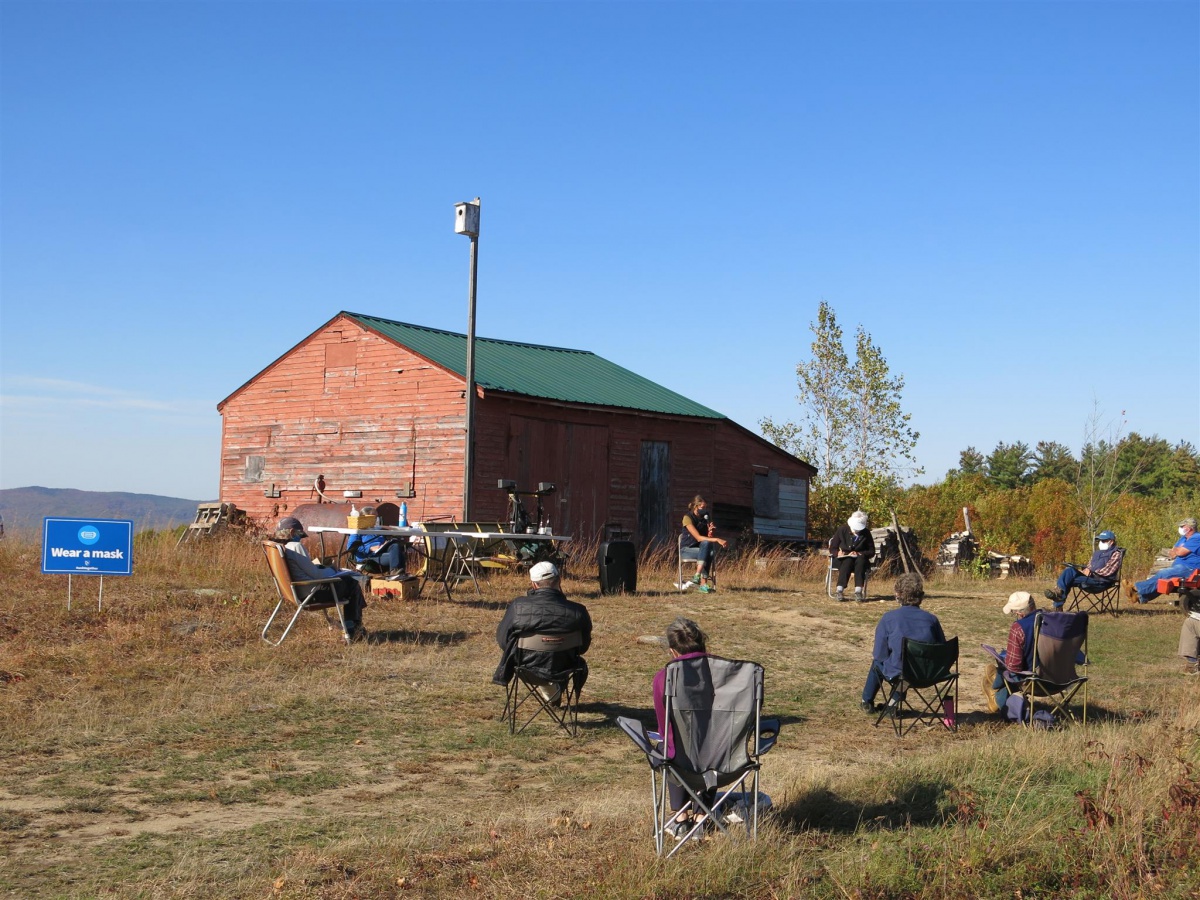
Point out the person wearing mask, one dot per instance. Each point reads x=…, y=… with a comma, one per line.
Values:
x=1186, y=554
x=699, y=543
x=1097, y=575
x=851, y=549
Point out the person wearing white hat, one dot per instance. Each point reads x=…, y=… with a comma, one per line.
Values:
x=1017, y=654
x=545, y=609
x=851, y=549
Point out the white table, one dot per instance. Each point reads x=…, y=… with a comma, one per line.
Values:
x=459, y=565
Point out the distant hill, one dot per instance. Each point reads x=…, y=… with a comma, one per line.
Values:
x=24, y=508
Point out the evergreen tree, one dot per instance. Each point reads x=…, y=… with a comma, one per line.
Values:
x=1010, y=465
x=1054, y=460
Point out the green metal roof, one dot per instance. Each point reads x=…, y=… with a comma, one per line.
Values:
x=575, y=376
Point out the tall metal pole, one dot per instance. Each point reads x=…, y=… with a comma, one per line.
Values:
x=467, y=222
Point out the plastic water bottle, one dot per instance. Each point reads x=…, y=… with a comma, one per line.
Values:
x=403, y=515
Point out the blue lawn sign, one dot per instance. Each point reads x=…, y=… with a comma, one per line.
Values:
x=87, y=547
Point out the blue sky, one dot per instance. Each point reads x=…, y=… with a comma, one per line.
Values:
x=1006, y=195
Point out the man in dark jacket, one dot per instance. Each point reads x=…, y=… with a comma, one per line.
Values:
x=544, y=610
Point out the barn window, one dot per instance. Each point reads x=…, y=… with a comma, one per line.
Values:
x=254, y=469
x=341, y=354
x=766, y=493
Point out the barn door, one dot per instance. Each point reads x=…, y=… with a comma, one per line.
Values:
x=654, y=493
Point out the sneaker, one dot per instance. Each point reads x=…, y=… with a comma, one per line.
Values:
x=695, y=579
x=552, y=694
x=706, y=589
x=1052, y=594
x=841, y=596
x=859, y=597
x=868, y=707
x=1192, y=667
x=679, y=828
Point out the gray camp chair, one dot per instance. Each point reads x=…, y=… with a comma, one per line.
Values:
x=716, y=739
x=527, y=685
x=1060, y=640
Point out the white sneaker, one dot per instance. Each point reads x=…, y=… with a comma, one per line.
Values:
x=686, y=585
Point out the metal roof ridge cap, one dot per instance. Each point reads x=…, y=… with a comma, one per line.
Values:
x=478, y=338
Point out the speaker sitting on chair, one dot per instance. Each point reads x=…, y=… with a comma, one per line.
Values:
x=618, y=567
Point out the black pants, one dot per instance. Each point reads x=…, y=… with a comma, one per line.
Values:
x=857, y=564
x=350, y=589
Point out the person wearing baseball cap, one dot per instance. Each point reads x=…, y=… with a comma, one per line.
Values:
x=1186, y=553
x=350, y=587
x=1017, y=655
x=1098, y=575
x=545, y=609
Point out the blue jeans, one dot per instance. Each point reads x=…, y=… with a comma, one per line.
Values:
x=1071, y=577
x=1148, y=589
x=875, y=681
x=702, y=553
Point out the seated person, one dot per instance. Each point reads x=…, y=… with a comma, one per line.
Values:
x=1189, y=634
x=1018, y=652
x=685, y=641
x=909, y=621
x=1097, y=575
x=1187, y=560
x=699, y=543
x=545, y=609
x=350, y=587
x=851, y=549
x=376, y=553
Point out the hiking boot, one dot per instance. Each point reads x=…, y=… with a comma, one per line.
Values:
x=869, y=708
x=1191, y=667
x=1054, y=595
x=1131, y=592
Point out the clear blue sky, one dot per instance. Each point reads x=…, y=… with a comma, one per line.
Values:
x=1006, y=195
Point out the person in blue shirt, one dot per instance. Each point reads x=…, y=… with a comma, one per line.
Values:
x=909, y=621
x=377, y=553
x=1187, y=560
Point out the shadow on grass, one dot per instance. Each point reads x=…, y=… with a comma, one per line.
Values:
x=407, y=636
x=821, y=809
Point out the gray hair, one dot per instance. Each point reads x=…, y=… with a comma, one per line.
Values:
x=685, y=636
x=910, y=589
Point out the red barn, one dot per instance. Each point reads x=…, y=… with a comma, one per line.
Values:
x=379, y=407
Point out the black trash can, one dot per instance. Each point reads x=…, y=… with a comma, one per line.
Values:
x=618, y=567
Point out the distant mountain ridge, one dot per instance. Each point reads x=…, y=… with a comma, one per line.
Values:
x=24, y=508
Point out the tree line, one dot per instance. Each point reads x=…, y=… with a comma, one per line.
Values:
x=1044, y=501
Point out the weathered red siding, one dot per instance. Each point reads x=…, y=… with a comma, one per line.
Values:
x=369, y=415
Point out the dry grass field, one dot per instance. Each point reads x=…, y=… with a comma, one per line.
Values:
x=158, y=748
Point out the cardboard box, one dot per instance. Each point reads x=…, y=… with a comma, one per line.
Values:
x=396, y=590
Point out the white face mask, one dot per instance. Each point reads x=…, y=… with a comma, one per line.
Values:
x=1104, y=545
x=1183, y=532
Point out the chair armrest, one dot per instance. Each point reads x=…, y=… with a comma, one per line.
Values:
x=768, y=734
x=333, y=580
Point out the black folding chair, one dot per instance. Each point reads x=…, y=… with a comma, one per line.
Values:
x=716, y=739
x=557, y=697
x=1098, y=600
x=927, y=687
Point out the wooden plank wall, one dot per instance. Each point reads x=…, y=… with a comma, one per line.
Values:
x=371, y=416
x=355, y=408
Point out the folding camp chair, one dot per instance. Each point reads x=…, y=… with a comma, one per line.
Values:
x=1097, y=600
x=1061, y=641
x=679, y=561
x=560, y=705
x=308, y=596
x=716, y=739
x=927, y=686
